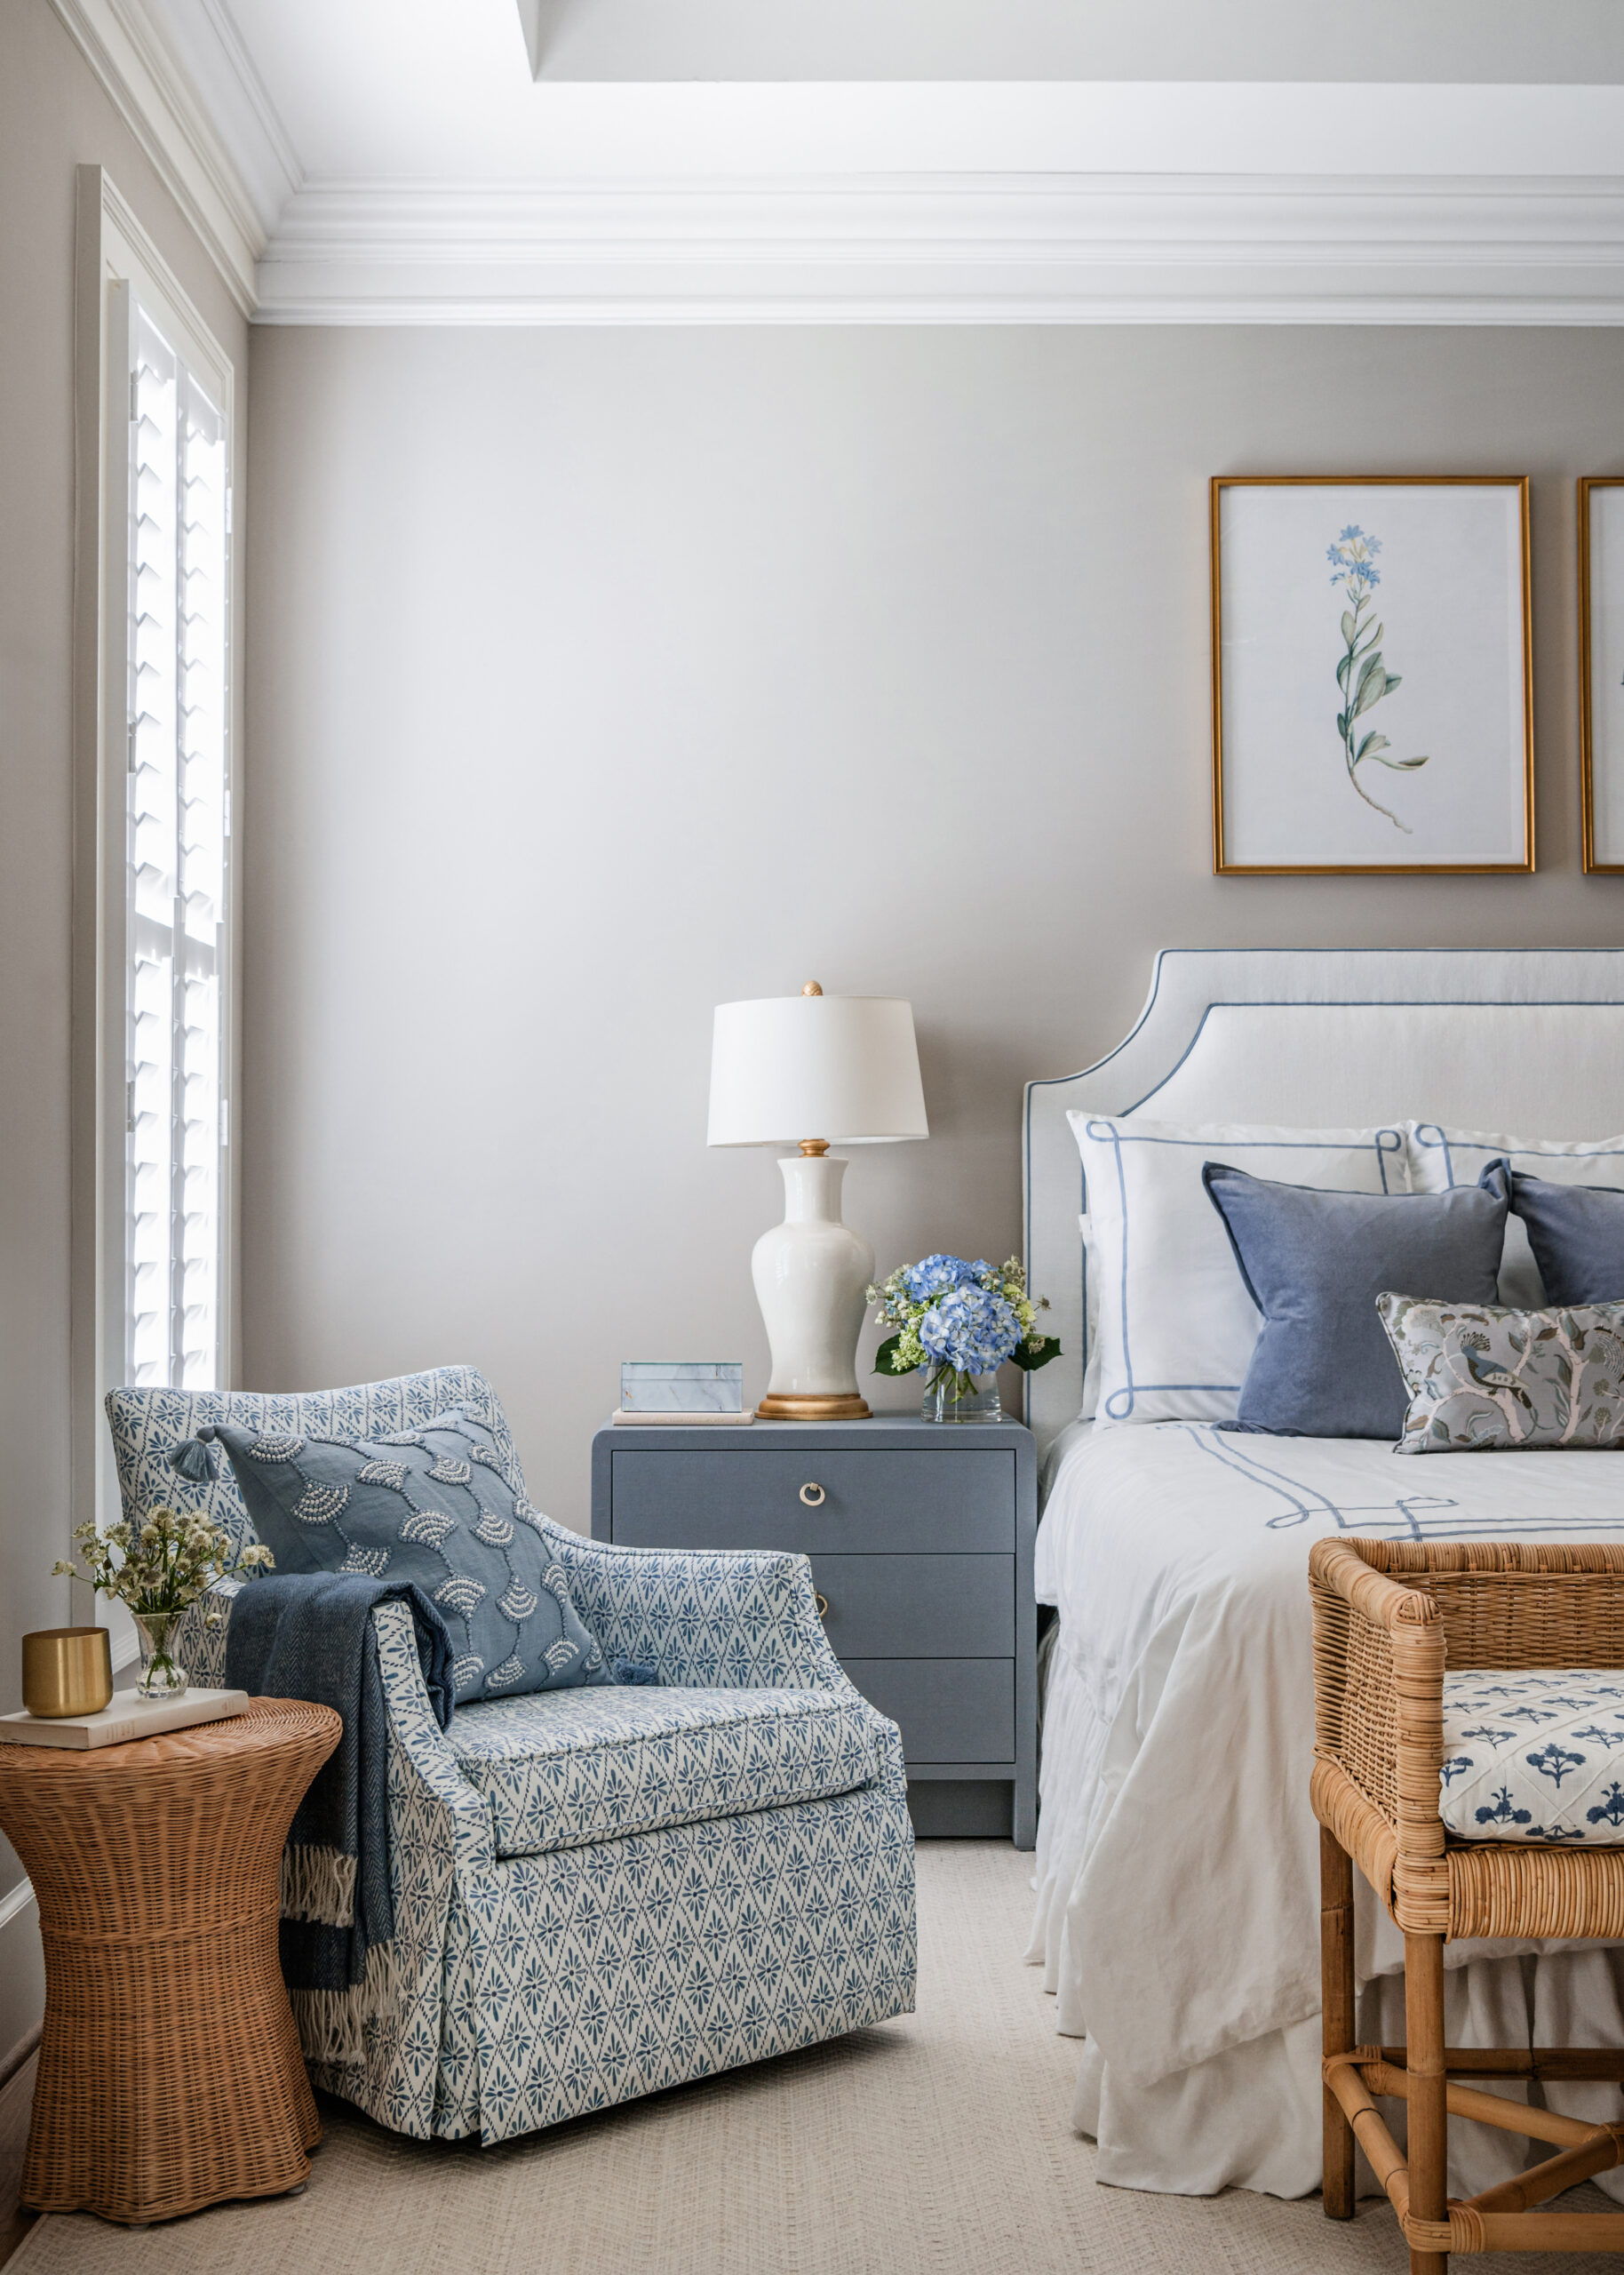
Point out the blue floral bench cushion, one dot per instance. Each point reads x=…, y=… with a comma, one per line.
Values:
x=1534, y=1753
x=562, y=1769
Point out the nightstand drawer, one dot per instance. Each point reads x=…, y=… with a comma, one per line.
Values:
x=948, y=1709
x=918, y=1607
x=926, y=1502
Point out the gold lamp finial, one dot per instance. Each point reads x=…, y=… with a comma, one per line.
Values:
x=811, y=988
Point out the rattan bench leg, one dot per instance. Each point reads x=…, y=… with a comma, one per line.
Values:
x=1337, y=2003
x=1427, y=2096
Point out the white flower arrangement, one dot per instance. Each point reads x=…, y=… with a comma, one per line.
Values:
x=162, y=1566
x=157, y=1569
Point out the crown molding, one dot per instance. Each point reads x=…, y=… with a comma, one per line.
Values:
x=1025, y=248
x=905, y=247
x=230, y=206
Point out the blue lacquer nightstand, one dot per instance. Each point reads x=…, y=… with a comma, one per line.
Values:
x=920, y=1536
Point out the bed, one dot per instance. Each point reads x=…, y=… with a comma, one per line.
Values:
x=1176, y=1875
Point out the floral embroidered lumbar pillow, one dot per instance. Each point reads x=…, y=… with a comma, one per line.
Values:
x=1534, y=1753
x=431, y=1505
x=1484, y=1379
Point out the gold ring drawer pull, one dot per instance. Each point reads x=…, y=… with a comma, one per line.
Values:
x=813, y=1496
x=822, y=1602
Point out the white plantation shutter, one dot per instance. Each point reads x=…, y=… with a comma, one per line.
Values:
x=177, y=834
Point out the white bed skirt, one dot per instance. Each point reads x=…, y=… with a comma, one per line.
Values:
x=1250, y=2117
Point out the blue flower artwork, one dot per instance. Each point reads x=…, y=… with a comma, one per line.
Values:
x=1361, y=672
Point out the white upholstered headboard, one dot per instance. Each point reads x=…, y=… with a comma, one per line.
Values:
x=1527, y=1042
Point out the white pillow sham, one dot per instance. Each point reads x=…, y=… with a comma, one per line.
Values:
x=1175, y=1324
x=1440, y=1158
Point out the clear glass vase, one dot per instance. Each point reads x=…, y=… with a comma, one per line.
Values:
x=162, y=1676
x=950, y=1396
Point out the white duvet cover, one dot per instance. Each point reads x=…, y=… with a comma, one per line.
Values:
x=1177, y=1856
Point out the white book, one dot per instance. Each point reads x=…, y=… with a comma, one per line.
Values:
x=681, y=1421
x=123, y=1718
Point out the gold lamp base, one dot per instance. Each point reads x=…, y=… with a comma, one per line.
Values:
x=790, y=1406
x=67, y=1671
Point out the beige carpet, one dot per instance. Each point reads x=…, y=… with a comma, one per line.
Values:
x=936, y=2142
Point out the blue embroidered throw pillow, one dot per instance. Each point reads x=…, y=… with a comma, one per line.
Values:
x=430, y=1505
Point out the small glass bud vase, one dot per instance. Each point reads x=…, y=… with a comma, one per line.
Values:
x=163, y=1677
x=953, y=1397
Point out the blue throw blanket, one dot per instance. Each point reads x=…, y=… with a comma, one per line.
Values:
x=311, y=1636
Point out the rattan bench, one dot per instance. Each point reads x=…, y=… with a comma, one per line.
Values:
x=1387, y=1616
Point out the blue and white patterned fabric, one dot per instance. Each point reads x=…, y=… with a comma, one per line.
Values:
x=432, y=1505
x=572, y=1767
x=532, y=1989
x=1534, y=1753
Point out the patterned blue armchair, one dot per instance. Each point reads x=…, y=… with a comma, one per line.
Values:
x=599, y=1893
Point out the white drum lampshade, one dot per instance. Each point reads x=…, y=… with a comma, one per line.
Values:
x=812, y=1070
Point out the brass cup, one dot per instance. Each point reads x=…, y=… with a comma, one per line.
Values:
x=67, y=1671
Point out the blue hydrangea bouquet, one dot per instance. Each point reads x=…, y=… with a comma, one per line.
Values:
x=960, y=1322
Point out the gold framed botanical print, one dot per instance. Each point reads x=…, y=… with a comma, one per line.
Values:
x=1372, y=680
x=1600, y=670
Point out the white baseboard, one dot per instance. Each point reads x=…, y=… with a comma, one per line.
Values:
x=22, y=1966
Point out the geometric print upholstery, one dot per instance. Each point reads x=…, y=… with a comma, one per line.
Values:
x=527, y=1990
x=430, y=1506
x=1534, y=1753
x=530, y=1990
x=563, y=1768
x=147, y=1424
x=721, y=1620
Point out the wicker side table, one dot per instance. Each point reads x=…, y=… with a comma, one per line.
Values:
x=170, y=2073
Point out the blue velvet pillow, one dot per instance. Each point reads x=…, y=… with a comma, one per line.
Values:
x=1314, y=1264
x=1577, y=1235
x=432, y=1505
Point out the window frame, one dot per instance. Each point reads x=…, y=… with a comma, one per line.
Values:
x=116, y=264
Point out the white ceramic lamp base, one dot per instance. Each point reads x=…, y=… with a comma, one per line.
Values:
x=812, y=1273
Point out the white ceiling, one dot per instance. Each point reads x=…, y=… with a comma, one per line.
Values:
x=1477, y=41
x=892, y=160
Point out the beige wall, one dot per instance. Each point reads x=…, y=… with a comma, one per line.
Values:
x=53, y=116
x=596, y=678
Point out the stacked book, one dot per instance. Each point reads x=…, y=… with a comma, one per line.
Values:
x=126, y=1718
x=666, y=1390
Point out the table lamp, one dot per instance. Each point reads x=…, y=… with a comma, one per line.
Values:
x=846, y=1066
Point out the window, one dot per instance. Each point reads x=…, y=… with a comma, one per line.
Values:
x=177, y=668
x=153, y=1033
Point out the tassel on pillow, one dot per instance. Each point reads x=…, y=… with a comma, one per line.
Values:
x=192, y=1458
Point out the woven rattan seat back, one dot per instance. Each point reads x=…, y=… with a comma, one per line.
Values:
x=1389, y=1617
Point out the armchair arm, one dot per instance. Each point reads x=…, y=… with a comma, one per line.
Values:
x=730, y=1619
x=201, y=1651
